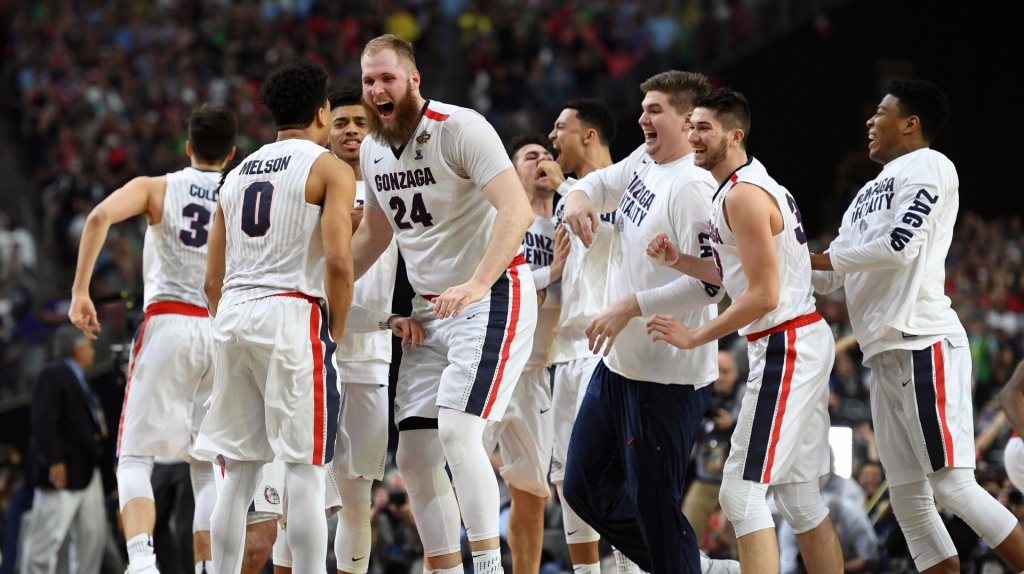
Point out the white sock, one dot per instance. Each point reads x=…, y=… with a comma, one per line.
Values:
x=594, y=568
x=140, y=550
x=307, y=529
x=227, y=523
x=453, y=570
x=625, y=565
x=487, y=562
x=204, y=567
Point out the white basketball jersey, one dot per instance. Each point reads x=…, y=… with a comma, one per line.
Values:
x=538, y=248
x=274, y=242
x=430, y=190
x=366, y=357
x=584, y=280
x=174, y=252
x=796, y=295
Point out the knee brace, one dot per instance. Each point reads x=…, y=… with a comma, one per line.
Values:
x=801, y=505
x=957, y=490
x=134, y=478
x=745, y=505
x=204, y=490
x=913, y=505
x=420, y=459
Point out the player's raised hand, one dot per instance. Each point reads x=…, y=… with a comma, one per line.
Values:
x=581, y=215
x=409, y=330
x=661, y=249
x=562, y=247
x=455, y=299
x=83, y=314
x=602, y=331
x=551, y=169
x=669, y=329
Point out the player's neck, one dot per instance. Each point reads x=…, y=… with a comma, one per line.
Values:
x=543, y=204
x=355, y=168
x=731, y=163
x=666, y=156
x=205, y=166
x=905, y=148
x=310, y=133
x=594, y=158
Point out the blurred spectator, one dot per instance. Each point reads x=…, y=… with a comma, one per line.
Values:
x=860, y=547
x=712, y=445
x=397, y=547
x=68, y=429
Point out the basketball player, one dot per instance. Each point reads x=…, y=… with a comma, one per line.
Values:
x=761, y=257
x=363, y=364
x=439, y=181
x=635, y=428
x=581, y=135
x=1011, y=398
x=279, y=249
x=890, y=257
x=525, y=434
x=171, y=371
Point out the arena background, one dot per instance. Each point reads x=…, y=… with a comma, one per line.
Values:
x=813, y=71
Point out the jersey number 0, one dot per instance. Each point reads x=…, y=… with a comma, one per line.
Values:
x=256, y=208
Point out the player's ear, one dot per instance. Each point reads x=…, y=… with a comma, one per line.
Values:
x=231, y=154
x=415, y=78
x=911, y=124
x=188, y=149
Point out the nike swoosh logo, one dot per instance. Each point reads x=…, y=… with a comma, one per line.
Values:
x=544, y=410
x=630, y=441
x=377, y=160
x=358, y=559
x=573, y=532
x=906, y=382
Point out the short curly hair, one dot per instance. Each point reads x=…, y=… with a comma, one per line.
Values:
x=293, y=93
x=924, y=100
x=347, y=95
x=597, y=115
x=523, y=140
x=211, y=130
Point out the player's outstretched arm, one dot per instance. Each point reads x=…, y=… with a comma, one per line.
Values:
x=1011, y=398
x=142, y=195
x=749, y=211
x=506, y=194
x=338, y=182
x=371, y=239
x=213, y=284
x=661, y=248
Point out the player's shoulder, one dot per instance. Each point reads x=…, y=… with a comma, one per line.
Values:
x=924, y=164
x=453, y=118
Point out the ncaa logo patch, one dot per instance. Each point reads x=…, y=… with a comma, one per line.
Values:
x=270, y=493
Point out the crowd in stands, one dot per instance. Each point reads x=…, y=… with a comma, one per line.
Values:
x=97, y=92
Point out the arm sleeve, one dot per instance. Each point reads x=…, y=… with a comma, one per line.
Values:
x=472, y=148
x=691, y=215
x=542, y=277
x=46, y=407
x=918, y=200
x=606, y=186
x=363, y=320
x=826, y=282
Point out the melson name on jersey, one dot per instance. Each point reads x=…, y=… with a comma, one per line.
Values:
x=202, y=193
x=258, y=166
x=404, y=179
x=636, y=202
x=877, y=197
x=539, y=249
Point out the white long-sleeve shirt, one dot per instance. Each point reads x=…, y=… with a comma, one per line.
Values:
x=674, y=198
x=890, y=255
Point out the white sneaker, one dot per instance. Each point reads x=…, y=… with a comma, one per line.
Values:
x=146, y=565
x=710, y=566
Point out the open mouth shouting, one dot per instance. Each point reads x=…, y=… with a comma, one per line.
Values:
x=650, y=136
x=385, y=108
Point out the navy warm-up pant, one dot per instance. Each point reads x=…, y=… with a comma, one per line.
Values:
x=626, y=466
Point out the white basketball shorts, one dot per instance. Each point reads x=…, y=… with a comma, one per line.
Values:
x=471, y=362
x=1014, y=462
x=170, y=378
x=922, y=410
x=525, y=434
x=275, y=391
x=571, y=380
x=362, y=444
x=781, y=435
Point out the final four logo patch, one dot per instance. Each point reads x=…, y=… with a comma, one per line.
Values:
x=423, y=138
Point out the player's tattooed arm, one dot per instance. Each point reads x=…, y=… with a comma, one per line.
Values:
x=140, y=196
x=1011, y=399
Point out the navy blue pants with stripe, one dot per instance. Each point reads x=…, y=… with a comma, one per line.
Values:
x=626, y=466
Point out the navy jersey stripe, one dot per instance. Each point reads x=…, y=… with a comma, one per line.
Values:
x=764, y=412
x=924, y=391
x=490, y=355
x=332, y=399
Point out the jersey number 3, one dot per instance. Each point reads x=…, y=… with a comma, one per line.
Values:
x=196, y=235
x=419, y=212
x=799, y=229
x=256, y=208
